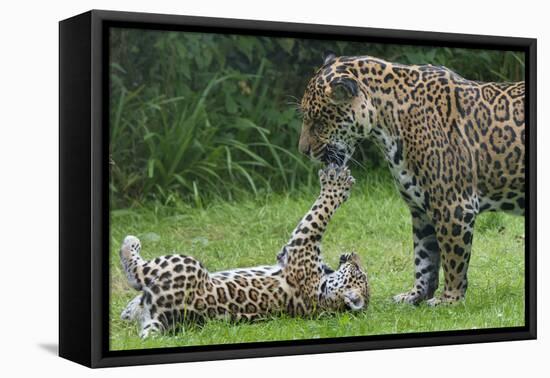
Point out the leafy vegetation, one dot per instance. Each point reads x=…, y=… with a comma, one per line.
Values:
x=374, y=222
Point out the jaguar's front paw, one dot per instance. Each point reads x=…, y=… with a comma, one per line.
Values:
x=413, y=297
x=435, y=301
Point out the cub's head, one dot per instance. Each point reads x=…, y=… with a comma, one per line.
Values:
x=347, y=288
x=336, y=110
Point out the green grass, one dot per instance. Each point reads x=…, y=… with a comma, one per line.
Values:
x=374, y=222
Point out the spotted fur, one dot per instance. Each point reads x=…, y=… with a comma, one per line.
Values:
x=455, y=147
x=177, y=288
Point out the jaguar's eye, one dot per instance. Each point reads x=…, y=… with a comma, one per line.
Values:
x=317, y=126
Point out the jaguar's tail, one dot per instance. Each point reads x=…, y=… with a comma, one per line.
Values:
x=132, y=263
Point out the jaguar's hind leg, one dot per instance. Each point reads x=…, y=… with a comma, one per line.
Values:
x=455, y=238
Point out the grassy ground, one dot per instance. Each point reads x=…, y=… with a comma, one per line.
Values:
x=374, y=222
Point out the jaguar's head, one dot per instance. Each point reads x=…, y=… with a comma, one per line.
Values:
x=347, y=288
x=336, y=109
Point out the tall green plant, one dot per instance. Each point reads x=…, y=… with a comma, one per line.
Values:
x=179, y=145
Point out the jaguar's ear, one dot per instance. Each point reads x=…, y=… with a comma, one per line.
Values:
x=329, y=56
x=342, y=90
x=354, y=301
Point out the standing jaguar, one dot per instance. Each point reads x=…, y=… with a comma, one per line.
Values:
x=178, y=288
x=455, y=148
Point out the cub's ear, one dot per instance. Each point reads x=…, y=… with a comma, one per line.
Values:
x=329, y=56
x=342, y=90
x=355, y=258
x=353, y=300
x=344, y=257
x=327, y=269
x=282, y=257
x=350, y=256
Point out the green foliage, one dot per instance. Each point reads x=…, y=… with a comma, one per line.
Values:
x=375, y=223
x=204, y=116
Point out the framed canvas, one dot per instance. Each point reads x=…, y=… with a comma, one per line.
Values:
x=203, y=161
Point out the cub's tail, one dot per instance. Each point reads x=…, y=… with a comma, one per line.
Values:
x=132, y=263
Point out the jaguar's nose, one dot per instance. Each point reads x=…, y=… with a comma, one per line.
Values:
x=304, y=146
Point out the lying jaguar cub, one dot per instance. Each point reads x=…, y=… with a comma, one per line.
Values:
x=178, y=288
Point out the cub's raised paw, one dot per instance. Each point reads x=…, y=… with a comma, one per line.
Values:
x=336, y=181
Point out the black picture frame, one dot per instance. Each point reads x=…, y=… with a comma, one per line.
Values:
x=83, y=195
